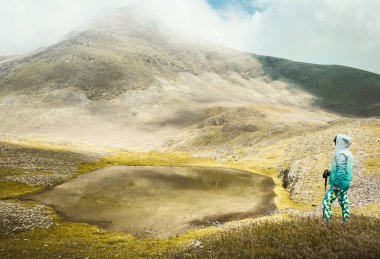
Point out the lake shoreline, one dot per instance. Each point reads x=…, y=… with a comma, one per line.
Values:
x=219, y=176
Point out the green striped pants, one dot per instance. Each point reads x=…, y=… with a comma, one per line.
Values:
x=330, y=198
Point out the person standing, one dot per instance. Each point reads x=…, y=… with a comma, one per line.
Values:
x=340, y=178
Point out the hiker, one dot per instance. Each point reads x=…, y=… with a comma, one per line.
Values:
x=340, y=177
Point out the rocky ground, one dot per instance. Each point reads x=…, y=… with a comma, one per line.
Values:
x=33, y=166
x=15, y=217
x=311, y=154
x=298, y=146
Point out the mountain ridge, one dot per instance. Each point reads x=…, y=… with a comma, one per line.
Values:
x=355, y=87
x=145, y=88
x=109, y=58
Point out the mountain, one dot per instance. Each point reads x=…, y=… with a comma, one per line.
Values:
x=125, y=81
x=341, y=89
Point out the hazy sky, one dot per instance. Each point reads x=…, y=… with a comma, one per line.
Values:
x=345, y=32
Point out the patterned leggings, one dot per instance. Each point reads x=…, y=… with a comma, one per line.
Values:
x=330, y=198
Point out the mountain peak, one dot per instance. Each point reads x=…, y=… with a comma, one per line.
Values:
x=127, y=50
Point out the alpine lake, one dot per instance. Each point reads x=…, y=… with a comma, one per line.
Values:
x=160, y=201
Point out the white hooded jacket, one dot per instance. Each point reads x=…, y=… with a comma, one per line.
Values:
x=343, y=162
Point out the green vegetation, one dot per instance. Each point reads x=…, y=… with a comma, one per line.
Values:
x=341, y=89
x=77, y=240
x=298, y=238
x=15, y=189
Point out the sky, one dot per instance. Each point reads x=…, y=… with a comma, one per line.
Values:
x=343, y=32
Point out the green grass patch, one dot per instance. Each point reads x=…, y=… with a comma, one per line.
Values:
x=75, y=240
x=15, y=189
x=78, y=240
x=297, y=238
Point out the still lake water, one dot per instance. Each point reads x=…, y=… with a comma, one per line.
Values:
x=160, y=201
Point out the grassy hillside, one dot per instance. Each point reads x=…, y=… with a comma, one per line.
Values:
x=341, y=89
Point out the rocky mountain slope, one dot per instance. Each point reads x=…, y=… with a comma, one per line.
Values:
x=125, y=82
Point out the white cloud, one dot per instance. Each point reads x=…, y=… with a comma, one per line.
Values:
x=26, y=25
x=324, y=31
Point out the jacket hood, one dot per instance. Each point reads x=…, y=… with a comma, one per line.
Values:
x=343, y=141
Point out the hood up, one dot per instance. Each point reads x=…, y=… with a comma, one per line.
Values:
x=343, y=142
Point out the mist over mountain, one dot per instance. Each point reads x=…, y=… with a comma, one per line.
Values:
x=132, y=82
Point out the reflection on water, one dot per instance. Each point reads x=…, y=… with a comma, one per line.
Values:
x=160, y=201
